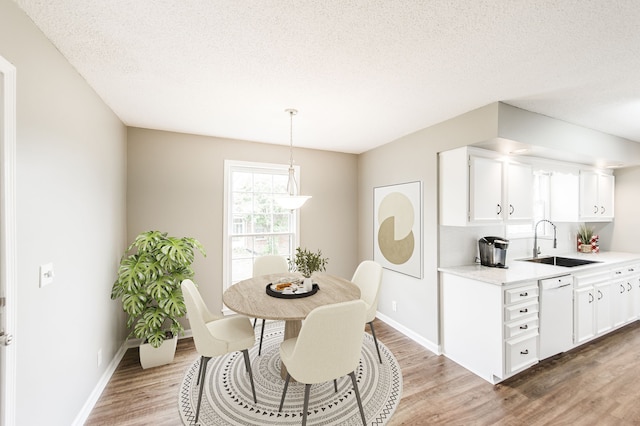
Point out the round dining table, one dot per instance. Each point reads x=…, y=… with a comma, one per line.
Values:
x=249, y=297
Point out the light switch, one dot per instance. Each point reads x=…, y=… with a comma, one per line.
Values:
x=46, y=274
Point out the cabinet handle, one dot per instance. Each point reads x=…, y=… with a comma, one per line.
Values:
x=525, y=294
x=524, y=327
x=511, y=209
x=602, y=209
x=590, y=298
x=499, y=207
x=600, y=295
x=595, y=209
x=629, y=287
x=524, y=311
x=621, y=288
x=525, y=352
x=631, y=269
x=618, y=272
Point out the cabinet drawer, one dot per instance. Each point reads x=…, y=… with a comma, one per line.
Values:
x=520, y=294
x=520, y=310
x=521, y=326
x=521, y=353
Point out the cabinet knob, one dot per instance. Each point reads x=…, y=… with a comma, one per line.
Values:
x=525, y=352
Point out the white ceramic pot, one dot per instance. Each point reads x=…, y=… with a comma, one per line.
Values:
x=307, y=284
x=154, y=357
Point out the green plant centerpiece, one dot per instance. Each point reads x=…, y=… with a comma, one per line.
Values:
x=149, y=277
x=307, y=262
x=585, y=233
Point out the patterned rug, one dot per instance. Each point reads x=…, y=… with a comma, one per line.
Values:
x=227, y=399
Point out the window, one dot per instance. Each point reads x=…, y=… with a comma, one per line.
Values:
x=255, y=224
x=541, y=196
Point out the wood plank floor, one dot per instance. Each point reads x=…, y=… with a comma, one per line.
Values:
x=596, y=384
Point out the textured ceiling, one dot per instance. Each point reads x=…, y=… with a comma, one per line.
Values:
x=361, y=73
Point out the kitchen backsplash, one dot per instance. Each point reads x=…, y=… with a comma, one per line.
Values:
x=459, y=244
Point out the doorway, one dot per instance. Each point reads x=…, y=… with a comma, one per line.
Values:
x=8, y=268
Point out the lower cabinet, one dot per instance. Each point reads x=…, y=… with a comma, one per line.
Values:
x=591, y=305
x=624, y=307
x=604, y=300
x=489, y=329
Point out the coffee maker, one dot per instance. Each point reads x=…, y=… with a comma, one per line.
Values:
x=493, y=251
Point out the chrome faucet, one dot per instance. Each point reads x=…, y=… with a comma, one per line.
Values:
x=536, y=249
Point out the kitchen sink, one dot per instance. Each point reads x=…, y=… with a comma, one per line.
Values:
x=561, y=261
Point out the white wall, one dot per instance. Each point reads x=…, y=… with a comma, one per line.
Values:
x=71, y=211
x=175, y=184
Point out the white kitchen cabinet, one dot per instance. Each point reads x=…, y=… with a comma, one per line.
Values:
x=623, y=290
x=489, y=329
x=477, y=187
x=596, y=196
x=519, y=199
x=592, y=305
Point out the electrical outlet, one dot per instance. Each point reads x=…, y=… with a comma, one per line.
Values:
x=394, y=306
x=99, y=357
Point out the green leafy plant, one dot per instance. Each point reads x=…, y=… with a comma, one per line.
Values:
x=307, y=262
x=149, y=284
x=585, y=233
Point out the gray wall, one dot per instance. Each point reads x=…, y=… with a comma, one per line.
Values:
x=70, y=211
x=175, y=184
x=625, y=235
x=411, y=158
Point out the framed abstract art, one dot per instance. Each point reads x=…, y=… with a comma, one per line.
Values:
x=397, y=227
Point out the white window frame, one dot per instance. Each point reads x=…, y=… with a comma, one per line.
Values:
x=229, y=166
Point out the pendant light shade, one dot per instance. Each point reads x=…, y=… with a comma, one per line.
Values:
x=292, y=200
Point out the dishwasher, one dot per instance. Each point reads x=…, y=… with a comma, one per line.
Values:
x=556, y=315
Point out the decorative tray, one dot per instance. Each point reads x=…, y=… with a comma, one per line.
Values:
x=290, y=292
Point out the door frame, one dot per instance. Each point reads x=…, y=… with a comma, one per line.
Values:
x=8, y=262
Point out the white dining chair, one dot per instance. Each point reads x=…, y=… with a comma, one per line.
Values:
x=328, y=347
x=214, y=336
x=265, y=265
x=368, y=277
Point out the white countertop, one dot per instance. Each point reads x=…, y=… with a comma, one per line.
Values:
x=519, y=271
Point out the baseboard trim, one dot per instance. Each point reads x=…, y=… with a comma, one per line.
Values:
x=83, y=415
x=409, y=333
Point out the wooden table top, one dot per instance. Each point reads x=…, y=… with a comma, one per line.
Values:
x=249, y=297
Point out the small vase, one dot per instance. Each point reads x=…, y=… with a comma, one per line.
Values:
x=307, y=284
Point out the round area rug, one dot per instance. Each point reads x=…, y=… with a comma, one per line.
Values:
x=227, y=398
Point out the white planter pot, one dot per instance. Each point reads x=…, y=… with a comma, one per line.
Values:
x=153, y=357
x=307, y=284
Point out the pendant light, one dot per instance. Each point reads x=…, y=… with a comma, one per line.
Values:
x=292, y=200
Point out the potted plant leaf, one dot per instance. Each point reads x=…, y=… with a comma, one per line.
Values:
x=307, y=262
x=585, y=233
x=149, y=277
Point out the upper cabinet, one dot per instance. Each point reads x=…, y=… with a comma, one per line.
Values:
x=596, y=196
x=478, y=187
